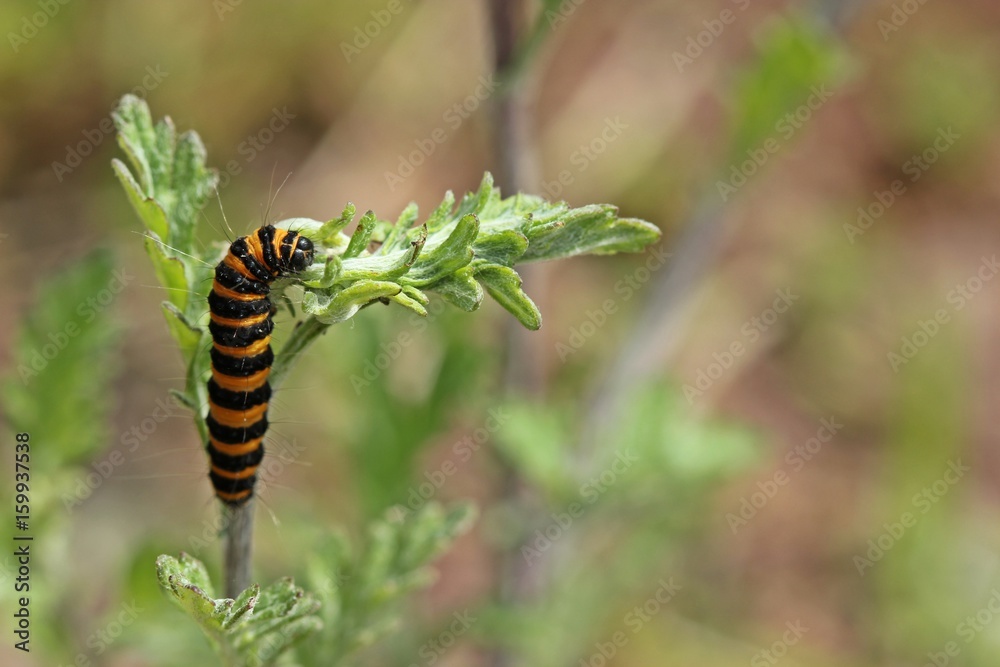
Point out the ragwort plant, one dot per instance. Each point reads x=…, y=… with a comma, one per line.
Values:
x=464, y=250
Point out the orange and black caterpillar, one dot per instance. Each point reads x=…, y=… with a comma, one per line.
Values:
x=241, y=327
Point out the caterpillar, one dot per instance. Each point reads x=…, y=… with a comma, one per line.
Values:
x=241, y=324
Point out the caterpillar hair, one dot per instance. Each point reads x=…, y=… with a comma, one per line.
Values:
x=241, y=325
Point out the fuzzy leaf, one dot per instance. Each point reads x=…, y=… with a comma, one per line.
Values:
x=461, y=289
x=504, y=285
x=346, y=303
x=148, y=209
x=439, y=261
x=484, y=230
x=503, y=248
x=253, y=630
x=590, y=229
x=170, y=170
x=360, y=592
x=187, y=334
x=362, y=235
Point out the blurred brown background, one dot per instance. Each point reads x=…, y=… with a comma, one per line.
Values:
x=276, y=90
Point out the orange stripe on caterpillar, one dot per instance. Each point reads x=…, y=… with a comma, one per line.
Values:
x=237, y=418
x=251, y=350
x=243, y=384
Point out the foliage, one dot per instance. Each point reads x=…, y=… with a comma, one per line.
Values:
x=65, y=349
x=358, y=602
x=252, y=630
x=622, y=513
x=59, y=391
x=353, y=606
x=462, y=251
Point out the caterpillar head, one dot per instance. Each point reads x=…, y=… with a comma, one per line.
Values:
x=301, y=256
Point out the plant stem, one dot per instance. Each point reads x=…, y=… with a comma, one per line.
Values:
x=518, y=61
x=239, y=520
x=513, y=145
x=516, y=163
x=517, y=166
x=302, y=336
x=666, y=313
x=239, y=547
x=660, y=327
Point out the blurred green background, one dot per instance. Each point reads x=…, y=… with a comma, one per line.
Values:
x=791, y=393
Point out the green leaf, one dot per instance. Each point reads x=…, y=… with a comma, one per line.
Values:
x=170, y=272
x=590, y=229
x=409, y=303
x=187, y=334
x=170, y=171
x=337, y=225
x=253, y=630
x=360, y=591
x=168, y=185
x=345, y=303
x=503, y=248
x=442, y=214
x=460, y=250
x=442, y=260
x=362, y=235
x=397, y=238
x=461, y=289
x=150, y=212
x=504, y=285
